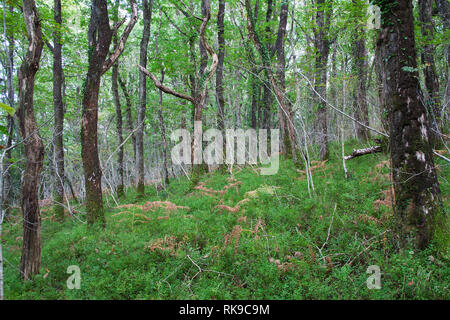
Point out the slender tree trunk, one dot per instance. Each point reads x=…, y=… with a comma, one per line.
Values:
x=443, y=7
x=417, y=193
x=163, y=132
x=219, y=71
x=30, y=262
x=10, y=119
x=321, y=43
x=429, y=71
x=360, y=69
x=129, y=114
x=286, y=119
x=380, y=80
x=59, y=114
x=268, y=94
x=267, y=106
x=333, y=89
x=115, y=90
x=140, y=174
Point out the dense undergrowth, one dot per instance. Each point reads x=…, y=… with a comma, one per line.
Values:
x=281, y=243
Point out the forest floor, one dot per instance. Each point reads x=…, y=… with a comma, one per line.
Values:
x=273, y=241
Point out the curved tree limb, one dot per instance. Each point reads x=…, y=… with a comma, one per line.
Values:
x=215, y=59
x=123, y=39
x=163, y=87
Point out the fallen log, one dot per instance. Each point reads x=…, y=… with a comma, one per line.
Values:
x=361, y=152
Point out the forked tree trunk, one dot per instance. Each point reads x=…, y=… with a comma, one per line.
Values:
x=100, y=35
x=59, y=114
x=140, y=174
x=30, y=262
x=417, y=193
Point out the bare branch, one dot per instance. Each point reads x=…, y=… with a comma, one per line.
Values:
x=163, y=87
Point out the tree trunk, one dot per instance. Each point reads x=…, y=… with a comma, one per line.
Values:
x=429, y=71
x=417, y=193
x=128, y=114
x=380, y=80
x=6, y=187
x=59, y=114
x=30, y=262
x=163, y=132
x=140, y=174
x=100, y=36
x=115, y=90
x=267, y=106
x=360, y=70
x=322, y=47
x=285, y=114
x=219, y=70
x=443, y=7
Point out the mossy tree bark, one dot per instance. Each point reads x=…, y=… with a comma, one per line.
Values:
x=417, y=193
x=30, y=262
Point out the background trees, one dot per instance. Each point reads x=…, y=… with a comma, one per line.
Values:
x=314, y=69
